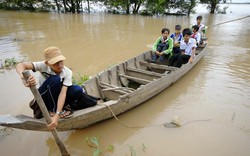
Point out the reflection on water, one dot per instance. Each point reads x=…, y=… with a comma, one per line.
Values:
x=217, y=88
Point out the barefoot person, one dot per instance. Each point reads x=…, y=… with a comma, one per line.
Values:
x=56, y=86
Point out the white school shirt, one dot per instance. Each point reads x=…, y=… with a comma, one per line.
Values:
x=187, y=47
x=197, y=37
x=46, y=72
x=201, y=26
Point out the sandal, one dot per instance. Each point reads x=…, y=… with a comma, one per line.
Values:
x=63, y=115
x=66, y=114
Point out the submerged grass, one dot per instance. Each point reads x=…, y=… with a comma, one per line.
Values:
x=6, y=131
x=8, y=63
x=94, y=142
x=79, y=79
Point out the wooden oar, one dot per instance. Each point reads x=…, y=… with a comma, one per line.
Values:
x=46, y=115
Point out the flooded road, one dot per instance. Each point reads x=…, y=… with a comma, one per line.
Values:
x=212, y=101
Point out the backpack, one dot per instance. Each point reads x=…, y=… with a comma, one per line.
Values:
x=84, y=101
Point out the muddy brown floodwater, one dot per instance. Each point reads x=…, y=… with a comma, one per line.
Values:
x=214, y=95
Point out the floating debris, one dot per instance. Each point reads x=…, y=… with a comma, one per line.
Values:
x=174, y=123
x=6, y=131
x=1, y=64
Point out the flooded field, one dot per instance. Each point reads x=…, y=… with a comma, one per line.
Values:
x=212, y=101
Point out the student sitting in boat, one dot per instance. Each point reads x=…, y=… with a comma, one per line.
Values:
x=202, y=29
x=196, y=35
x=201, y=26
x=187, y=48
x=56, y=86
x=163, y=46
x=177, y=37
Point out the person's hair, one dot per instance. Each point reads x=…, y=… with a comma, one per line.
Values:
x=165, y=29
x=196, y=27
x=178, y=27
x=199, y=17
x=187, y=31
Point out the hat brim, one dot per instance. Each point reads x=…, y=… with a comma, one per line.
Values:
x=56, y=59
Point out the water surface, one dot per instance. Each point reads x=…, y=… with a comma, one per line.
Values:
x=212, y=101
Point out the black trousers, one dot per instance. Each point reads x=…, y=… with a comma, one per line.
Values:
x=176, y=50
x=178, y=59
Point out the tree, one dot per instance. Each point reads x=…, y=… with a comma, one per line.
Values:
x=212, y=4
x=72, y=6
x=57, y=5
x=30, y=5
x=156, y=6
x=88, y=6
x=117, y=5
x=181, y=6
x=137, y=4
x=191, y=6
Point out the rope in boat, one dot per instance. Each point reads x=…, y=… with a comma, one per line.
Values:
x=172, y=124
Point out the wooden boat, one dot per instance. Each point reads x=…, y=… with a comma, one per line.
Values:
x=121, y=88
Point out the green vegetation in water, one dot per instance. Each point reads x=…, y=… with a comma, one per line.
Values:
x=8, y=63
x=6, y=131
x=143, y=147
x=110, y=148
x=143, y=7
x=110, y=66
x=93, y=142
x=79, y=79
x=132, y=150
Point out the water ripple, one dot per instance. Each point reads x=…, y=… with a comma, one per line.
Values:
x=228, y=72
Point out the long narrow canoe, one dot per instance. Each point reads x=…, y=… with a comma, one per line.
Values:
x=121, y=88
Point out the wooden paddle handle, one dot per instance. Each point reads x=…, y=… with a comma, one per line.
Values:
x=40, y=102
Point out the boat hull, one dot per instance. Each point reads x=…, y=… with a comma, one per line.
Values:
x=120, y=100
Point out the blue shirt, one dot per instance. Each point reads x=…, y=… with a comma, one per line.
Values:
x=176, y=38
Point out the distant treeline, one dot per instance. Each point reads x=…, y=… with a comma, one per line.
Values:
x=144, y=7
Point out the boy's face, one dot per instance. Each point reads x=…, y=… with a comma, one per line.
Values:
x=193, y=30
x=57, y=67
x=165, y=35
x=198, y=21
x=177, y=31
x=186, y=38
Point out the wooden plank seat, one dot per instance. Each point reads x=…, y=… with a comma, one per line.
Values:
x=111, y=92
x=158, y=66
x=142, y=74
x=109, y=87
x=144, y=71
x=136, y=79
